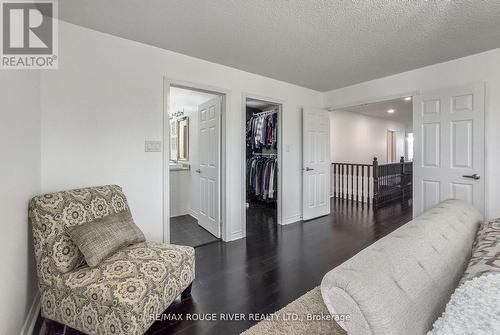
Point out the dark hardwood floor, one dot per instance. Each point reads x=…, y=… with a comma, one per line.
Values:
x=274, y=265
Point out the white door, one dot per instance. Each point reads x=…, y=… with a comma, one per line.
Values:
x=315, y=163
x=208, y=213
x=449, y=147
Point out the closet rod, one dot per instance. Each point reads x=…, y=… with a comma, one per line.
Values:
x=266, y=113
x=261, y=154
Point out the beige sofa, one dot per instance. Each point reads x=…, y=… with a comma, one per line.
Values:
x=402, y=283
x=122, y=294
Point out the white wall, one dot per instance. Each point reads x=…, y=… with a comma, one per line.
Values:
x=19, y=181
x=357, y=138
x=106, y=99
x=484, y=67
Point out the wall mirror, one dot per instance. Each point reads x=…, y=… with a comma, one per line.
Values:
x=183, y=139
x=173, y=140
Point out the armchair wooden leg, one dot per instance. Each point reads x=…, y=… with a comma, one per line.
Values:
x=187, y=292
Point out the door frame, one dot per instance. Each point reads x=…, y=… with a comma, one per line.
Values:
x=225, y=96
x=381, y=99
x=374, y=100
x=244, y=97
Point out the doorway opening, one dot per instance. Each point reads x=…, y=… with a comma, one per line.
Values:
x=372, y=152
x=194, y=168
x=262, y=166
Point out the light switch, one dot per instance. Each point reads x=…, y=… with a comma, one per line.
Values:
x=152, y=146
x=288, y=148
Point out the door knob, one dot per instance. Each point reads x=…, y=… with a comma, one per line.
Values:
x=198, y=171
x=473, y=176
x=309, y=169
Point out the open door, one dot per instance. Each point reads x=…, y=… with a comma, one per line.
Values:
x=449, y=147
x=315, y=163
x=209, y=183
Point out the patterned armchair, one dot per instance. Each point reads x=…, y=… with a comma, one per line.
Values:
x=122, y=293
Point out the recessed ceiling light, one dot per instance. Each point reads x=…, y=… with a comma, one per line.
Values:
x=390, y=111
x=407, y=98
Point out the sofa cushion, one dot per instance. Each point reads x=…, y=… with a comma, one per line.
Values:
x=127, y=278
x=485, y=252
x=401, y=283
x=100, y=238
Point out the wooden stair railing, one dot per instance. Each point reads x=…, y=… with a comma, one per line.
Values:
x=375, y=184
x=351, y=181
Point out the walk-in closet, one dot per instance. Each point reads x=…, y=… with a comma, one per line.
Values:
x=262, y=162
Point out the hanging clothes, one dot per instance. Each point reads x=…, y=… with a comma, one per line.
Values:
x=262, y=176
x=262, y=131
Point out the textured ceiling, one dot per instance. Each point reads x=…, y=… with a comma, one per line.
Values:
x=403, y=110
x=318, y=44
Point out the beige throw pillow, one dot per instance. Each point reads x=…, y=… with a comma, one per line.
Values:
x=101, y=238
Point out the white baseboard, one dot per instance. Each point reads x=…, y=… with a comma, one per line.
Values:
x=236, y=236
x=291, y=219
x=179, y=213
x=32, y=317
x=193, y=213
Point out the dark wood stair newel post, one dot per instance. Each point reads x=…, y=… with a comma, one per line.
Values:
x=375, y=182
x=402, y=178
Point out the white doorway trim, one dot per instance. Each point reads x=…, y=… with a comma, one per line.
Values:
x=373, y=100
x=282, y=104
x=225, y=94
